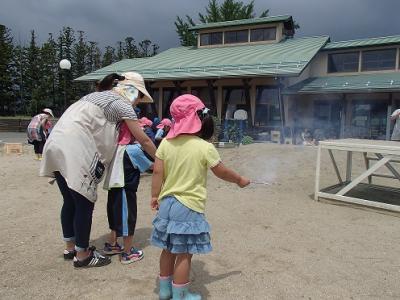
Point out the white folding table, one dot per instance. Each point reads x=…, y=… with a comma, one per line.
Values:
x=384, y=153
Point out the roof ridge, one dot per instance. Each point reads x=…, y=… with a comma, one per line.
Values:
x=256, y=18
x=363, y=39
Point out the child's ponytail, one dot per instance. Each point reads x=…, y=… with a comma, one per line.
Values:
x=207, y=124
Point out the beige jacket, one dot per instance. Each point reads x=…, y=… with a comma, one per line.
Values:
x=80, y=147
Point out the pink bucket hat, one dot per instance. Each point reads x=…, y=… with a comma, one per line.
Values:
x=163, y=123
x=184, y=112
x=145, y=122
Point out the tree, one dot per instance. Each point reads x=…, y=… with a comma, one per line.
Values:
x=80, y=51
x=130, y=50
x=6, y=84
x=108, y=57
x=45, y=92
x=32, y=75
x=120, y=51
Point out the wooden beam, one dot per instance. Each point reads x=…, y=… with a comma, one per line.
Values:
x=246, y=85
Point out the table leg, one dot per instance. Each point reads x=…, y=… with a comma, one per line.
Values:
x=349, y=165
x=317, y=173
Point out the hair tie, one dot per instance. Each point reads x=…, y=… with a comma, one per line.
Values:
x=205, y=110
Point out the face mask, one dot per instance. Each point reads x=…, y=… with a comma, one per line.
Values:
x=129, y=92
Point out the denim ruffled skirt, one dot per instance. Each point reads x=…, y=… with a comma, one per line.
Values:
x=179, y=229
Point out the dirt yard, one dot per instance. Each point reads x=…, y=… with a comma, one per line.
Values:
x=270, y=241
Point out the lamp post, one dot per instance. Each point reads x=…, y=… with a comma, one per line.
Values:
x=65, y=64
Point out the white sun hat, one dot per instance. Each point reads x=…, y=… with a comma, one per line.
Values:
x=135, y=79
x=48, y=111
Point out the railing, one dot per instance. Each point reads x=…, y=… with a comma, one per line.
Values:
x=14, y=125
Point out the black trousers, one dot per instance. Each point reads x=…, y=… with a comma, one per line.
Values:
x=38, y=146
x=76, y=215
x=122, y=202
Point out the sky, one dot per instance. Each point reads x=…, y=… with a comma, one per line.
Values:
x=109, y=21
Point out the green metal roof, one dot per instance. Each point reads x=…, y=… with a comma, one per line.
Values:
x=253, y=21
x=378, y=82
x=379, y=41
x=286, y=58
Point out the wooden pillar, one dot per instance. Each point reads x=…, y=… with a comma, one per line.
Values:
x=219, y=102
x=246, y=85
x=210, y=84
x=253, y=103
x=349, y=113
x=343, y=110
x=160, y=102
x=153, y=104
x=281, y=109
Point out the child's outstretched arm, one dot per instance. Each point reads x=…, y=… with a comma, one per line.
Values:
x=229, y=175
x=156, y=182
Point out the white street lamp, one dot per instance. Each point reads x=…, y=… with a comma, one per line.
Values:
x=65, y=64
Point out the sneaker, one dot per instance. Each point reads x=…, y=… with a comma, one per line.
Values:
x=69, y=255
x=132, y=256
x=95, y=259
x=112, y=249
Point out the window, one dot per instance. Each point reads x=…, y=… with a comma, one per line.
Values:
x=263, y=34
x=213, y=38
x=369, y=119
x=240, y=36
x=267, y=106
x=378, y=60
x=234, y=98
x=343, y=62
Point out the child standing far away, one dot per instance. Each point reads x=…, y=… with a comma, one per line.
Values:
x=162, y=131
x=179, y=193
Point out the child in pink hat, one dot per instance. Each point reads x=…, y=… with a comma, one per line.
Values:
x=179, y=193
x=146, y=124
x=162, y=130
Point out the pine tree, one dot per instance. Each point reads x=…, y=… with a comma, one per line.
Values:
x=155, y=48
x=32, y=76
x=120, y=51
x=18, y=76
x=46, y=84
x=108, y=57
x=144, y=48
x=130, y=50
x=6, y=84
x=60, y=74
x=80, y=51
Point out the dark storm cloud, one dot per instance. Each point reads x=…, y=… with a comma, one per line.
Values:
x=110, y=21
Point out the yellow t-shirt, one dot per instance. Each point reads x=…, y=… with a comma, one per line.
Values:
x=186, y=161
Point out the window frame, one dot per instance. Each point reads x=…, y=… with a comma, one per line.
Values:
x=329, y=70
x=379, y=68
x=236, y=36
x=263, y=34
x=210, y=38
